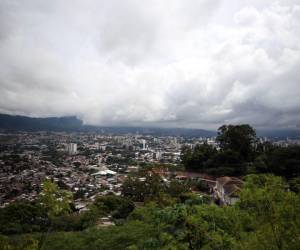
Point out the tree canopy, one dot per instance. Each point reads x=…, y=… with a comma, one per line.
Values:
x=240, y=153
x=237, y=138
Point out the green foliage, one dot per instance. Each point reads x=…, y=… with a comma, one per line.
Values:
x=24, y=242
x=275, y=213
x=5, y=243
x=241, y=154
x=190, y=227
x=56, y=202
x=132, y=235
x=71, y=222
x=282, y=161
x=117, y=207
x=295, y=185
x=199, y=158
x=23, y=217
x=151, y=187
x=143, y=188
x=237, y=138
x=236, y=151
x=176, y=188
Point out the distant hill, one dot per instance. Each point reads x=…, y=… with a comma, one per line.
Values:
x=184, y=132
x=72, y=123
x=24, y=123
x=279, y=133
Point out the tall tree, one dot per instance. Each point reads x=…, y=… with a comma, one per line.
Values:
x=199, y=158
x=56, y=201
x=274, y=211
x=238, y=138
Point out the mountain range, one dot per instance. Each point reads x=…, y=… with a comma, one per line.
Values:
x=10, y=123
x=73, y=124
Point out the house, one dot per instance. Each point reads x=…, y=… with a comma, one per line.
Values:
x=227, y=189
x=104, y=172
x=205, y=179
x=105, y=222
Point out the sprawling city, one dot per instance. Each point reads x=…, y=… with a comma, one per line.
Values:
x=91, y=164
x=85, y=163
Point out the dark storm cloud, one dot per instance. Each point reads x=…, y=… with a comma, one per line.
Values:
x=196, y=63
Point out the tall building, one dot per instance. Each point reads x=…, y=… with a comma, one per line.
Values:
x=175, y=140
x=157, y=155
x=72, y=148
x=143, y=144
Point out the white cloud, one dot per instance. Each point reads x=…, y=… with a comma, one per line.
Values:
x=196, y=63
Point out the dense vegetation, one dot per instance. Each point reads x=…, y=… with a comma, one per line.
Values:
x=241, y=153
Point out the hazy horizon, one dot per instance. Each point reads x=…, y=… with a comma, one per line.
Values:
x=176, y=64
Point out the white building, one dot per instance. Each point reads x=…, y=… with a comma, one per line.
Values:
x=143, y=144
x=72, y=148
x=227, y=189
x=157, y=155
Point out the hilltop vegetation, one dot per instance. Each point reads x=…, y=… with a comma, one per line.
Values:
x=242, y=153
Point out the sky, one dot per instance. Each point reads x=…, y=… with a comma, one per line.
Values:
x=165, y=63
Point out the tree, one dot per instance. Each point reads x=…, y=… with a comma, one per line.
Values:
x=186, y=156
x=198, y=159
x=56, y=202
x=145, y=188
x=27, y=243
x=295, y=185
x=274, y=211
x=228, y=162
x=118, y=207
x=238, y=138
x=23, y=217
x=284, y=161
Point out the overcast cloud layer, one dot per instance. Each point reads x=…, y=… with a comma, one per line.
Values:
x=191, y=63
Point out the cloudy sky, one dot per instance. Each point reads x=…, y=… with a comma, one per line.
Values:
x=176, y=63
